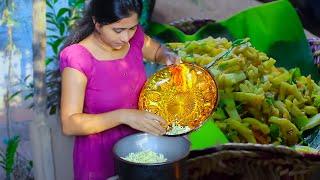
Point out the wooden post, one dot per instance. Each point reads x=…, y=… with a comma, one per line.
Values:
x=40, y=134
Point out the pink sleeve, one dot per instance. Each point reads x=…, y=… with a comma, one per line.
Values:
x=138, y=37
x=76, y=58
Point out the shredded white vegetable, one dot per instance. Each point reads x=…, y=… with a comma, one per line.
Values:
x=145, y=157
x=177, y=129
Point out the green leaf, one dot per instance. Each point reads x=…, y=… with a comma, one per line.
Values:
x=51, y=29
x=53, y=37
x=2, y=155
x=54, y=23
x=62, y=29
x=55, y=57
x=50, y=15
x=30, y=95
x=62, y=11
x=76, y=17
x=71, y=2
x=14, y=95
x=49, y=4
x=66, y=22
x=48, y=61
x=79, y=4
x=10, y=153
x=30, y=85
x=55, y=45
x=26, y=78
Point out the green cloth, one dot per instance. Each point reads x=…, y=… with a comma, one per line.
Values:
x=273, y=28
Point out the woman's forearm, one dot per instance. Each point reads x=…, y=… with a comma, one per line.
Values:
x=165, y=56
x=161, y=54
x=86, y=124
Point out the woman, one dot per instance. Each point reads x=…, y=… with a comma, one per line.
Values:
x=102, y=75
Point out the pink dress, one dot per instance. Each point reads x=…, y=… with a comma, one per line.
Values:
x=111, y=85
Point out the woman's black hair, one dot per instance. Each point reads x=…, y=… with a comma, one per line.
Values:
x=104, y=12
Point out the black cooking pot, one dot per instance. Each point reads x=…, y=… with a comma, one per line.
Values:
x=174, y=149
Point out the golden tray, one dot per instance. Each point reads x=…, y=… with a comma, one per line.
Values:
x=184, y=95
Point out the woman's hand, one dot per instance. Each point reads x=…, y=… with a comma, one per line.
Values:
x=167, y=57
x=144, y=121
x=171, y=58
x=155, y=52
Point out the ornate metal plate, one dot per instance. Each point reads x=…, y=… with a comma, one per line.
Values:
x=184, y=95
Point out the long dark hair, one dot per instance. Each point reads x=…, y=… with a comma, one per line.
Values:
x=105, y=12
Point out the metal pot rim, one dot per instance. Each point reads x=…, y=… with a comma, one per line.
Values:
x=151, y=164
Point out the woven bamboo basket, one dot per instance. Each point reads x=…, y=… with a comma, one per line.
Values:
x=250, y=161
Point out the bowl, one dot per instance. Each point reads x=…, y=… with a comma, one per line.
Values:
x=174, y=149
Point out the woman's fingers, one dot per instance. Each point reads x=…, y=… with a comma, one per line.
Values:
x=172, y=59
x=151, y=128
x=156, y=122
x=156, y=118
x=177, y=60
x=157, y=125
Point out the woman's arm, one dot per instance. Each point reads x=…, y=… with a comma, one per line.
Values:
x=75, y=122
x=155, y=52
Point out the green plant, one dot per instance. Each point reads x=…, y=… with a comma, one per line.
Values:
x=10, y=51
x=7, y=160
x=60, y=21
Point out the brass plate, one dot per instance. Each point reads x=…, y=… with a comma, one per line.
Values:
x=184, y=94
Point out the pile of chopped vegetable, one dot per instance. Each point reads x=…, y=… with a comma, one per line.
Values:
x=259, y=102
x=176, y=129
x=145, y=157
